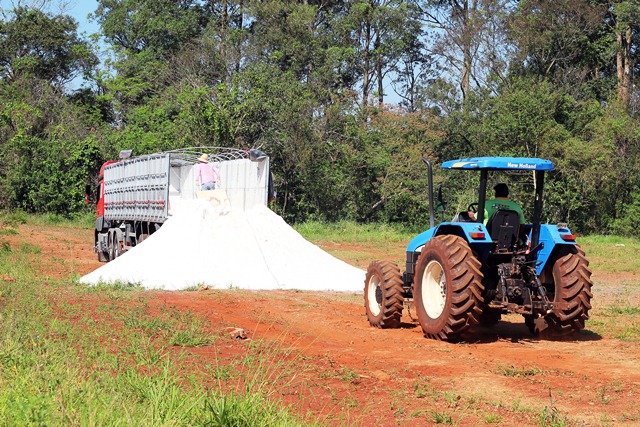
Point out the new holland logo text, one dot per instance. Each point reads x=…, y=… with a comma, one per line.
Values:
x=521, y=165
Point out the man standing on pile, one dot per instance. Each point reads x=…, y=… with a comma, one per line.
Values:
x=207, y=174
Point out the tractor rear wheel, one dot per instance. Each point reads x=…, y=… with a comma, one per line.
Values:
x=572, y=287
x=383, y=294
x=447, y=288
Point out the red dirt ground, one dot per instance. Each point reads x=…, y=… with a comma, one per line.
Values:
x=348, y=373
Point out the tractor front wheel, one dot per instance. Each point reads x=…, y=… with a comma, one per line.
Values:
x=447, y=288
x=572, y=288
x=383, y=294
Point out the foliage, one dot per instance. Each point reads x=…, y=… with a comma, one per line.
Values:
x=159, y=26
x=564, y=41
x=34, y=44
x=48, y=176
x=298, y=81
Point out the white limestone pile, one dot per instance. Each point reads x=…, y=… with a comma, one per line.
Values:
x=254, y=249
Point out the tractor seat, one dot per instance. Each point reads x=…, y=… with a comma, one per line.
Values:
x=504, y=227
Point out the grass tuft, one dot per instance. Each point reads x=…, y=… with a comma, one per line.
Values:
x=513, y=371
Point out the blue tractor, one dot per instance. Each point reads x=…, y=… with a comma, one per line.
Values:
x=471, y=270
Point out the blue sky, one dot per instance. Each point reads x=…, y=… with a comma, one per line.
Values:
x=79, y=9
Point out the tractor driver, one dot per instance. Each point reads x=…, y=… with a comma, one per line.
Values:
x=500, y=201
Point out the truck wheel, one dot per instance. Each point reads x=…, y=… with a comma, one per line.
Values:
x=114, y=246
x=103, y=256
x=447, y=288
x=572, y=286
x=383, y=294
x=117, y=249
x=109, y=252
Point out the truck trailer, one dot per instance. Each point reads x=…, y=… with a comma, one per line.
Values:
x=134, y=194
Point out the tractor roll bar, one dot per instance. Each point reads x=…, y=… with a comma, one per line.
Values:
x=537, y=209
x=482, y=197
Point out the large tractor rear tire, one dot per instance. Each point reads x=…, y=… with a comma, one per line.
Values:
x=383, y=294
x=447, y=288
x=572, y=286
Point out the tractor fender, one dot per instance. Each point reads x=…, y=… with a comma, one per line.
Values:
x=474, y=233
x=553, y=237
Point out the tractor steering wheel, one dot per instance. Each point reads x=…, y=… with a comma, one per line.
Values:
x=473, y=207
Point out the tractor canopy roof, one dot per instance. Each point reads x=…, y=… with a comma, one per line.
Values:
x=500, y=163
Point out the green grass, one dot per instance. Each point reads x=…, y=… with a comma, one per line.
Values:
x=601, y=250
x=352, y=232
x=359, y=244
x=442, y=418
x=81, y=219
x=71, y=355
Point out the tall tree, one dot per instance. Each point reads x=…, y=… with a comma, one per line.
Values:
x=146, y=36
x=33, y=43
x=380, y=31
x=413, y=69
x=464, y=36
x=566, y=42
x=625, y=24
x=48, y=141
x=163, y=26
x=227, y=29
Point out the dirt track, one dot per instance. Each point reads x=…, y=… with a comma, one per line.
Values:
x=348, y=373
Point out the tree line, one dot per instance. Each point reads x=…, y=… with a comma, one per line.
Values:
x=346, y=97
